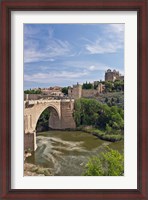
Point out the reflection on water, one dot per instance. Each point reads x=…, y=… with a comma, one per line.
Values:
x=65, y=153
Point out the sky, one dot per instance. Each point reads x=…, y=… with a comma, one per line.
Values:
x=64, y=54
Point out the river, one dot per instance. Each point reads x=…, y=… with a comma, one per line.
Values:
x=65, y=153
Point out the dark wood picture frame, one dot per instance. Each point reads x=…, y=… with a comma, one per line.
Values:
x=141, y=6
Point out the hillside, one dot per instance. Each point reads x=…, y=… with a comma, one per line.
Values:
x=112, y=99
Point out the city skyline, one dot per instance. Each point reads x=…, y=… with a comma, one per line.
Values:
x=64, y=54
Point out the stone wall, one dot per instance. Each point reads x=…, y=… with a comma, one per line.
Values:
x=31, y=97
x=75, y=92
x=30, y=141
x=89, y=93
x=54, y=120
x=67, y=120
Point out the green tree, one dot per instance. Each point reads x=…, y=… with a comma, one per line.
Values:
x=109, y=163
x=108, y=86
x=77, y=112
x=119, y=85
x=113, y=163
x=94, y=167
x=87, y=86
x=38, y=91
x=86, y=111
x=108, y=129
x=106, y=100
x=92, y=112
x=65, y=90
x=118, y=100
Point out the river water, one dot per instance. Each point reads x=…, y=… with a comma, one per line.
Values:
x=65, y=153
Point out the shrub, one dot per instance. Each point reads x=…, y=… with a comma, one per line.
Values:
x=94, y=167
x=109, y=163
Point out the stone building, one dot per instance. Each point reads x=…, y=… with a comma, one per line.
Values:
x=121, y=78
x=113, y=75
x=77, y=92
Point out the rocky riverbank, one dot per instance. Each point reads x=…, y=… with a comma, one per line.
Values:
x=34, y=170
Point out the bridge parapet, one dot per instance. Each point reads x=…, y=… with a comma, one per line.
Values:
x=43, y=101
x=67, y=100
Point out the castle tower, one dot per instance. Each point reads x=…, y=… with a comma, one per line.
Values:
x=111, y=75
x=75, y=92
x=100, y=88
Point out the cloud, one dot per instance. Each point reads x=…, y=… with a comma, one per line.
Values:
x=36, y=30
x=86, y=64
x=111, y=41
x=78, y=73
x=92, y=68
x=116, y=28
x=51, y=60
x=102, y=47
x=56, y=55
x=40, y=45
x=53, y=76
x=48, y=53
x=29, y=31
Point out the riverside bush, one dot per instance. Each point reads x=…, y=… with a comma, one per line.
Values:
x=104, y=135
x=109, y=163
x=101, y=120
x=91, y=112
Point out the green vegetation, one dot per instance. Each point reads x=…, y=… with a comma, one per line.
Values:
x=87, y=86
x=106, y=122
x=65, y=90
x=86, y=111
x=113, y=136
x=109, y=163
x=115, y=86
x=92, y=112
x=38, y=91
x=112, y=99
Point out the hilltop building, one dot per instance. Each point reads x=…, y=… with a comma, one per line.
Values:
x=113, y=75
x=77, y=92
x=53, y=91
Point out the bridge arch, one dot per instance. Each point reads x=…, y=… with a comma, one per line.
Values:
x=55, y=114
x=61, y=117
x=54, y=120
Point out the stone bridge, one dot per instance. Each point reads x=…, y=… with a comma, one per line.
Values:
x=61, y=117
